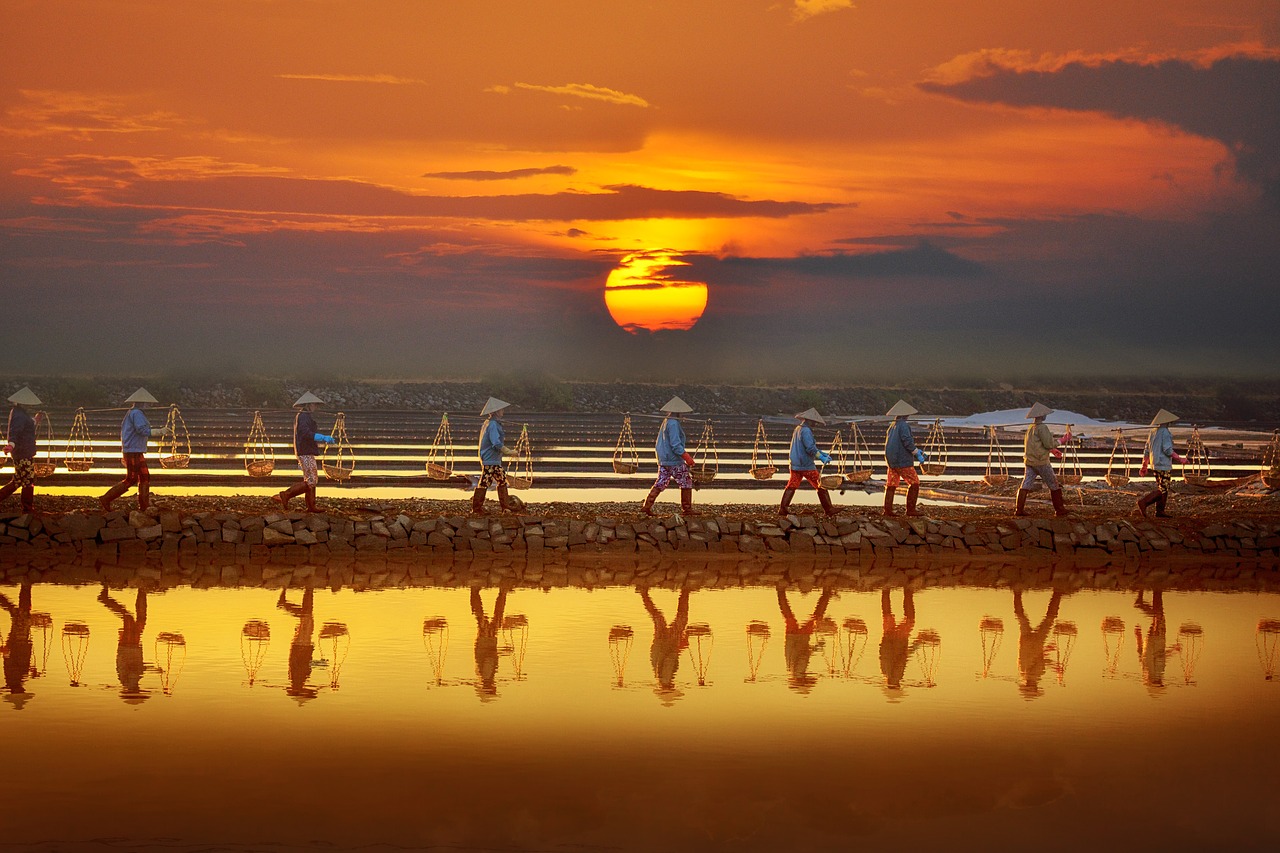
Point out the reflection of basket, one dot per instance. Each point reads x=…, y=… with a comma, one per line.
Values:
x=620, y=467
x=436, y=471
x=933, y=469
x=519, y=482
x=260, y=467
x=338, y=472
x=1070, y=479
x=702, y=474
x=996, y=479
x=858, y=476
x=764, y=472
x=1115, y=481
x=176, y=460
x=78, y=464
x=43, y=469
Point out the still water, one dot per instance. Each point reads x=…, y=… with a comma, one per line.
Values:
x=632, y=719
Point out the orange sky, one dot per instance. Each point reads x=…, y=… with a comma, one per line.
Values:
x=420, y=166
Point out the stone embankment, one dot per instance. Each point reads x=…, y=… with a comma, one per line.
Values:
x=298, y=538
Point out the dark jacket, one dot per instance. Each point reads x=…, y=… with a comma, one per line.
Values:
x=22, y=433
x=304, y=435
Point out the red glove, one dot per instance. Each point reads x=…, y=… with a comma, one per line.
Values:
x=1055, y=453
x=1066, y=437
x=688, y=460
x=1181, y=460
x=1142, y=472
x=8, y=448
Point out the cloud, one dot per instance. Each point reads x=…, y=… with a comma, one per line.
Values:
x=922, y=260
x=45, y=112
x=804, y=9
x=506, y=175
x=1234, y=99
x=385, y=79
x=582, y=90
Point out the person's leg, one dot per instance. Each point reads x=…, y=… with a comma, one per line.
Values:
x=29, y=499
x=785, y=506
x=659, y=486
x=310, y=494
x=686, y=502
x=9, y=487
x=144, y=483
x=891, y=486
x=1163, y=479
x=1028, y=480
x=1059, y=508
x=307, y=465
x=913, y=490
x=130, y=479
x=1145, y=501
x=824, y=498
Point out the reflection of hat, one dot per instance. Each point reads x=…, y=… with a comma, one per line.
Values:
x=494, y=405
x=135, y=697
x=1164, y=416
x=24, y=397
x=1039, y=410
x=306, y=398
x=811, y=414
x=142, y=395
x=17, y=700
x=900, y=408
x=676, y=406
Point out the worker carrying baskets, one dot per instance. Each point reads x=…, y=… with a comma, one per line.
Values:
x=135, y=429
x=900, y=455
x=674, y=460
x=21, y=446
x=307, y=439
x=803, y=461
x=492, y=448
x=1158, y=457
x=1038, y=445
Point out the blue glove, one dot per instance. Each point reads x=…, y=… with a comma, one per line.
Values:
x=327, y=439
x=824, y=456
x=921, y=457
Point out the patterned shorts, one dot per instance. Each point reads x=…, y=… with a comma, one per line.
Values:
x=1163, y=478
x=493, y=475
x=798, y=477
x=24, y=472
x=308, y=466
x=908, y=475
x=679, y=473
x=1044, y=472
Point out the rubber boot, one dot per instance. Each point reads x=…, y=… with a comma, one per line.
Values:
x=1021, y=507
x=1144, y=502
x=144, y=497
x=503, y=501
x=824, y=498
x=686, y=503
x=888, y=502
x=912, y=494
x=7, y=489
x=112, y=493
x=311, y=498
x=477, y=500
x=289, y=494
x=787, y=495
x=1059, y=508
x=647, y=506
x=28, y=499
x=1161, y=500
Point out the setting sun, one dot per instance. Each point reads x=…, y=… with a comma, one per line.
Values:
x=645, y=293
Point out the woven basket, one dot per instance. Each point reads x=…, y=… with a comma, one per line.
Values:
x=831, y=481
x=764, y=472
x=1195, y=479
x=858, y=476
x=1271, y=481
x=1070, y=479
x=996, y=479
x=933, y=469
x=79, y=464
x=1115, y=481
x=436, y=471
x=260, y=467
x=337, y=472
x=177, y=460
x=43, y=469
x=702, y=474
x=519, y=482
x=620, y=467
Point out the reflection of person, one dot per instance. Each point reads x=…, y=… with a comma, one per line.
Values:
x=669, y=640
x=1158, y=457
x=674, y=459
x=1033, y=657
x=17, y=648
x=803, y=461
x=129, y=648
x=901, y=455
x=307, y=439
x=1037, y=446
x=22, y=447
x=797, y=646
x=135, y=429
x=493, y=439
x=487, y=642
x=302, y=647
x=896, y=645
x=1153, y=654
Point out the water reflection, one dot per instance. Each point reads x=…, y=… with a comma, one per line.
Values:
x=1033, y=653
x=1153, y=652
x=1267, y=640
x=486, y=647
x=621, y=638
x=798, y=645
x=129, y=662
x=255, y=639
x=435, y=639
x=669, y=640
x=302, y=647
x=75, y=647
x=18, y=650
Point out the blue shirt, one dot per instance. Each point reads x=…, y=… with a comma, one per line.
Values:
x=670, y=444
x=304, y=435
x=899, y=447
x=22, y=434
x=1160, y=448
x=492, y=436
x=804, y=450
x=135, y=429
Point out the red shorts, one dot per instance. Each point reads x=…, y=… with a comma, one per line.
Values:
x=907, y=475
x=798, y=477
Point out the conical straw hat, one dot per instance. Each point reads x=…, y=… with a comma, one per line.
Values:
x=142, y=395
x=1039, y=410
x=676, y=406
x=24, y=397
x=306, y=398
x=1164, y=416
x=902, y=407
x=811, y=414
x=493, y=405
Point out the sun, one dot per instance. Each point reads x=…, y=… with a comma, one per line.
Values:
x=645, y=292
